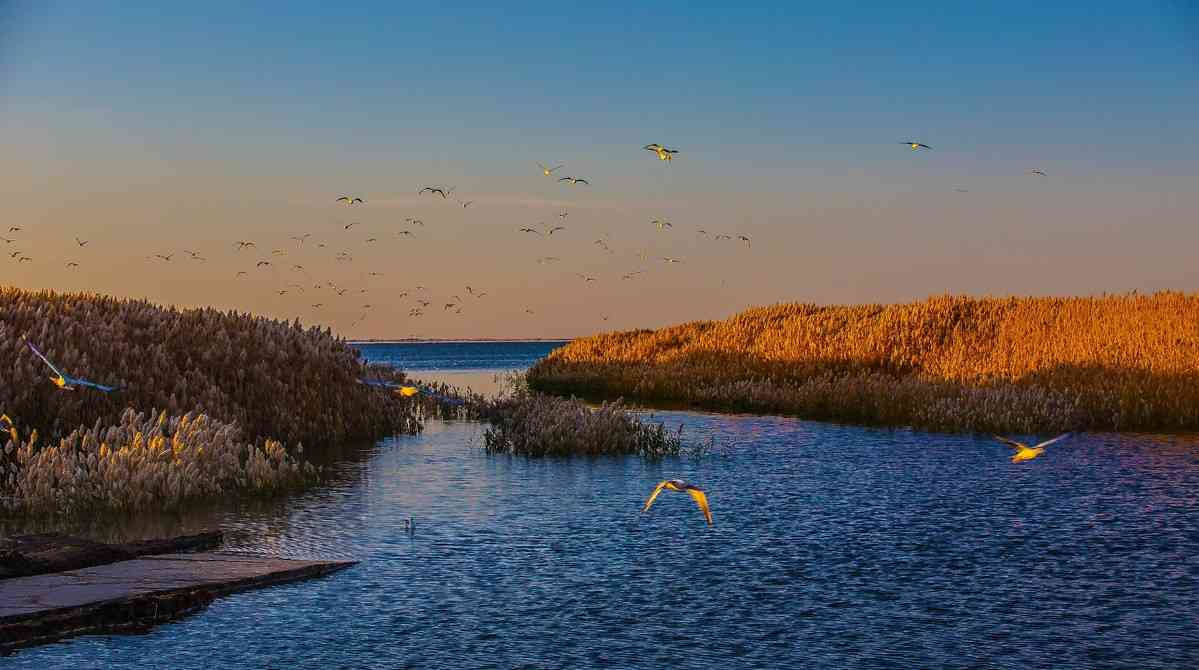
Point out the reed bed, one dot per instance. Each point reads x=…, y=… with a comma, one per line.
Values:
x=1125, y=362
x=537, y=425
x=239, y=396
x=143, y=462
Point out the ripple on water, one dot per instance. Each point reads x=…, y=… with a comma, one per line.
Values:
x=834, y=546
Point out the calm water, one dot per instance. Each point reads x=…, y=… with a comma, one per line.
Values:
x=834, y=547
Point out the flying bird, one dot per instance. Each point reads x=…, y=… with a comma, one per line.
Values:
x=696, y=493
x=745, y=239
x=260, y=264
x=530, y=230
x=668, y=259
x=82, y=243
x=664, y=154
x=6, y=240
x=435, y=189
x=348, y=200
x=165, y=257
x=555, y=229
x=72, y=264
x=1038, y=172
x=23, y=259
x=548, y=171
x=14, y=229
x=349, y=225
x=67, y=383
x=371, y=239
x=1025, y=452
x=575, y=180
x=916, y=145
x=465, y=203
x=241, y=273
x=243, y=245
x=300, y=238
x=661, y=224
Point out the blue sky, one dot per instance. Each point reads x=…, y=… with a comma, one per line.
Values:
x=785, y=110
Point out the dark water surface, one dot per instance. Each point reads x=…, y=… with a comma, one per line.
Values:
x=834, y=547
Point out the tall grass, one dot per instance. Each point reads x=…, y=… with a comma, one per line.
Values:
x=948, y=363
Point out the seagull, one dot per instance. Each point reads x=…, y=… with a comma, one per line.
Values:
x=405, y=232
x=722, y=236
x=575, y=180
x=243, y=244
x=282, y=292
x=348, y=200
x=745, y=239
x=696, y=493
x=530, y=230
x=318, y=305
x=262, y=263
x=72, y=264
x=22, y=259
x=916, y=145
x=300, y=238
x=64, y=382
x=668, y=259
x=548, y=171
x=1027, y=453
x=241, y=273
x=435, y=189
x=6, y=240
x=564, y=214
x=1038, y=172
x=14, y=229
x=584, y=277
x=165, y=257
x=298, y=268
x=662, y=224
x=465, y=203
x=529, y=311
x=555, y=229
x=664, y=154
x=371, y=239
x=194, y=255
x=376, y=274
x=14, y=254
x=82, y=243
x=349, y=225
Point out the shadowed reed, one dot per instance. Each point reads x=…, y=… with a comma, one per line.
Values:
x=947, y=363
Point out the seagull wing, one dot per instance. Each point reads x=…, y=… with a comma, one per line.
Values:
x=44, y=359
x=650, y=501
x=1046, y=443
x=701, y=501
x=563, y=178
x=582, y=181
x=1011, y=443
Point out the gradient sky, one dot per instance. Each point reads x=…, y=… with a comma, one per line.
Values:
x=148, y=130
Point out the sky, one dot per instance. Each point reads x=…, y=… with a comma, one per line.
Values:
x=143, y=129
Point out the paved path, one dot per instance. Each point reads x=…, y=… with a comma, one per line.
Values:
x=139, y=592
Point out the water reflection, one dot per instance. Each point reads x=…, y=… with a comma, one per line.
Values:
x=834, y=546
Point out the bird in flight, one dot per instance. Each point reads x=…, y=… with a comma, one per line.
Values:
x=664, y=154
x=14, y=254
x=300, y=238
x=436, y=189
x=260, y=264
x=548, y=171
x=668, y=259
x=241, y=273
x=564, y=214
x=369, y=240
x=82, y=243
x=1038, y=172
x=14, y=229
x=555, y=229
x=349, y=225
x=405, y=232
x=165, y=257
x=282, y=291
x=630, y=275
x=745, y=239
x=195, y=256
x=348, y=200
x=465, y=203
x=243, y=244
x=530, y=230
x=696, y=493
x=575, y=180
x=584, y=277
x=65, y=382
x=916, y=145
x=376, y=274
x=72, y=264
x=722, y=236
x=23, y=259
x=1027, y=453
x=662, y=224
x=6, y=240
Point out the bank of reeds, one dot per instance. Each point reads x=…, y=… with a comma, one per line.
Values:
x=239, y=396
x=1026, y=365
x=532, y=424
x=143, y=462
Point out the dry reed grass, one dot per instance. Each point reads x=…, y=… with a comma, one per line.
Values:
x=947, y=363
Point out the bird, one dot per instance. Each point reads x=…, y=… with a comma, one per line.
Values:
x=1025, y=452
x=298, y=268
x=668, y=259
x=630, y=275
x=262, y=264
x=10, y=428
x=564, y=214
x=241, y=273
x=300, y=238
x=555, y=229
x=603, y=317
x=65, y=382
x=282, y=291
x=318, y=305
x=575, y=180
x=584, y=277
x=371, y=239
x=662, y=224
x=6, y=240
x=435, y=189
x=278, y=252
x=745, y=239
x=664, y=154
x=349, y=200
x=529, y=311
x=14, y=229
x=530, y=230
x=349, y=225
x=195, y=256
x=1038, y=172
x=82, y=243
x=244, y=244
x=696, y=493
x=465, y=203
x=722, y=236
x=376, y=274
x=165, y=257
x=72, y=264
x=24, y=259
x=548, y=171
x=15, y=254
x=405, y=232
x=916, y=145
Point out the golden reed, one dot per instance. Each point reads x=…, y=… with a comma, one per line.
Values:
x=1125, y=362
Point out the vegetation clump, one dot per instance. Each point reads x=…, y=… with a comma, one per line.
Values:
x=1124, y=362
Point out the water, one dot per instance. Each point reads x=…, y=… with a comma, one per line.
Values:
x=834, y=547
